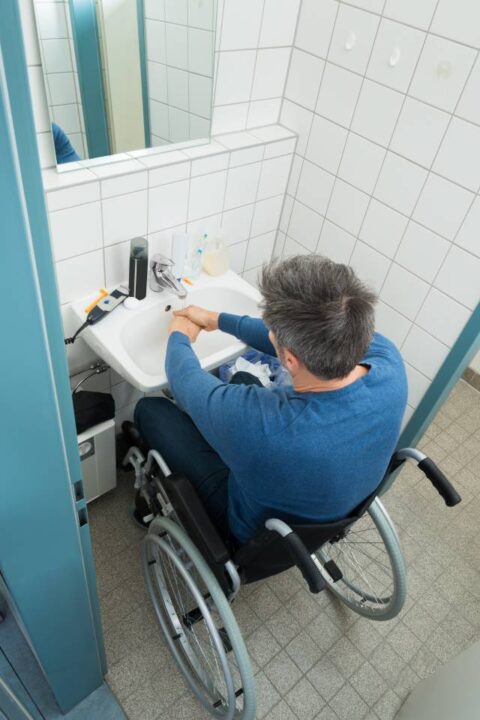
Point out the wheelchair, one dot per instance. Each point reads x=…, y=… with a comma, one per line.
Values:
x=193, y=575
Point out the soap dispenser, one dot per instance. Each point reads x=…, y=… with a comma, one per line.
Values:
x=137, y=278
x=215, y=257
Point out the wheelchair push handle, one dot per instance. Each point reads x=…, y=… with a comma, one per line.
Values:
x=299, y=554
x=443, y=486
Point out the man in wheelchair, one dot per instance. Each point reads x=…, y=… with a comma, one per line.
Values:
x=309, y=452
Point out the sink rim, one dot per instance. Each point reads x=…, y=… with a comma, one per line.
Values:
x=105, y=338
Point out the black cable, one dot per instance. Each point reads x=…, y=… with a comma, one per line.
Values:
x=71, y=340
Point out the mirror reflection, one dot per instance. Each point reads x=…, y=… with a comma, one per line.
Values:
x=123, y=75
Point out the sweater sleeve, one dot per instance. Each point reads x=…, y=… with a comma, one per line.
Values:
x=251, y=331
x=223, y=413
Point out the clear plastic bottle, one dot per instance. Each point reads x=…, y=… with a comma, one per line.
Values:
x=215, y=257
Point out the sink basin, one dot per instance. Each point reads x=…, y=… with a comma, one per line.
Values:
x=134, y=342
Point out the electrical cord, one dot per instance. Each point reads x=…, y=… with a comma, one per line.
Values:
x=71, y=340
x=98, y=370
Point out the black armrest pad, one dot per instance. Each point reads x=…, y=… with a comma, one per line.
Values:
x=194, y=518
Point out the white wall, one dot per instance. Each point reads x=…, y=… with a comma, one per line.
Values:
x=59, y=65
x=387, y=170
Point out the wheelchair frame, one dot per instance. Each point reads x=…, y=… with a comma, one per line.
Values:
x=221, y=576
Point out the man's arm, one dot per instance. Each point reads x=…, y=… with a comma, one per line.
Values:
x=251, y=331
x=218, y=410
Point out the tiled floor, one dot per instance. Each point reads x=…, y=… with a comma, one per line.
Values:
x=315, y=659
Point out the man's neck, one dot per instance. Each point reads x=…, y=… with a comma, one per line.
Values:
x=304, y=381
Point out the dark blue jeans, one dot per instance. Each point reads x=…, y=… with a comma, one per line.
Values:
x=166, y=428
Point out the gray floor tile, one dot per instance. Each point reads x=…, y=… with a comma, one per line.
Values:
x=283, y=626
x=283, y=672
x=281, y=712
x=267, y=695
x=348, y=704
x=325, y=678
x=304, y=651
x=388, y=706
x=324, y=631
x=262, y=646
x=304, y=700
x=346, y=658
x=368, y=683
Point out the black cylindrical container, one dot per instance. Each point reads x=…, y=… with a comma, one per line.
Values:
x=137, y=279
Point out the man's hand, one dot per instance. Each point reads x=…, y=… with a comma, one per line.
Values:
x=205, y=319
x=185, y=326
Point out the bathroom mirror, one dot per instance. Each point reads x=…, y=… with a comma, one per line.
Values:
x=123, y=75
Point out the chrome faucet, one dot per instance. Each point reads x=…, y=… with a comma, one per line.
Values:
x=161, y=277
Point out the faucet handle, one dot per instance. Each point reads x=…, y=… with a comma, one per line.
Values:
x=161, y=260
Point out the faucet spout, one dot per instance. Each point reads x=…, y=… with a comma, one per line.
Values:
x=162, y=278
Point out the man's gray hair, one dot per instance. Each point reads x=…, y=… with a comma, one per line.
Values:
x=320, y=311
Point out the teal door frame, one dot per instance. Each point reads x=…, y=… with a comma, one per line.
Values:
x=83, y=15
x=45, y=550
x=464, y=349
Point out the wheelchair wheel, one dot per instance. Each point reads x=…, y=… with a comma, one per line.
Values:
x=197, y=622
x=365, y=568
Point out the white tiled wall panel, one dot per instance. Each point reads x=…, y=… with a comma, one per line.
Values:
x=387, y=170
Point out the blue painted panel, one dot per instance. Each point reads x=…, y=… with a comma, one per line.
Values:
x=40, y=546
x=85, y=38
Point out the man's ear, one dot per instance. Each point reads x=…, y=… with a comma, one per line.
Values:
x=291, y=362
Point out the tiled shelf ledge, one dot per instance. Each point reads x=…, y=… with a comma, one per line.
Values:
x=281, y=140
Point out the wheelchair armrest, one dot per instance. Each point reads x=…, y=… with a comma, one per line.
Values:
x=299, y=554
x=195, y=519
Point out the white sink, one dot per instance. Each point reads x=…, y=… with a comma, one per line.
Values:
x=134, y=342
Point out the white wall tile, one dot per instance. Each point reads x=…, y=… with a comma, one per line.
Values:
x=124, y=217
x=167, y=206
x=338, y=94
x=274, y=176
x=279, y=22
x=353, y=38
x=315, y=187
x=76, y=230
x=459, y=277
x=459, y=156
x=270, y=73
x=442, y=317
x=242, y=185
x=370, y=266
x=419, y=131
x=56, y=54
x=155, y=9
x=246, y=156
x=236, y=224
x=200, y=51
x=201, y=14
x=403, y=291
x=442, y=206
x=241, y=24
x=441, y=72
x=283, y=147
x=71, y=196
x=266, y=216
x=80, y=276
x=117, y=259
x=176, y=11
x=304, y=78
x=51, y=20
x=411, y=12
x=40, y=109
x=286, y=213
x=209, y=164
x=168, y=174
x=335, y=243
x=377, y=112
x=177, y=46
x=259, y=250
x=295, y=171
x=30, y=34
x=305, y=225
x=229, y=118
x=177, y=86
x=206, y=195
x=236, y=256
x=156, y=42
x=417, y=385
x=326, y=143
x=422, y=251
x=264, y=112
x=361, y=162
x=459, y=20
x=234, y=77
x=395, y=54
x=383, y=228
x=62, y=88
x=391, y=323
x=469, y=105
x=347, y=206
x=424, y=352
x=399, y=183
x=204, y=226
x=315, y=25
x=293, y=248
x=469, y=234
x=299, y=120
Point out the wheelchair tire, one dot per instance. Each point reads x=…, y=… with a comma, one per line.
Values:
x=197, y=622
x=370, y=561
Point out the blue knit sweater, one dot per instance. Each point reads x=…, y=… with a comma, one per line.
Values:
x=311, y=456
